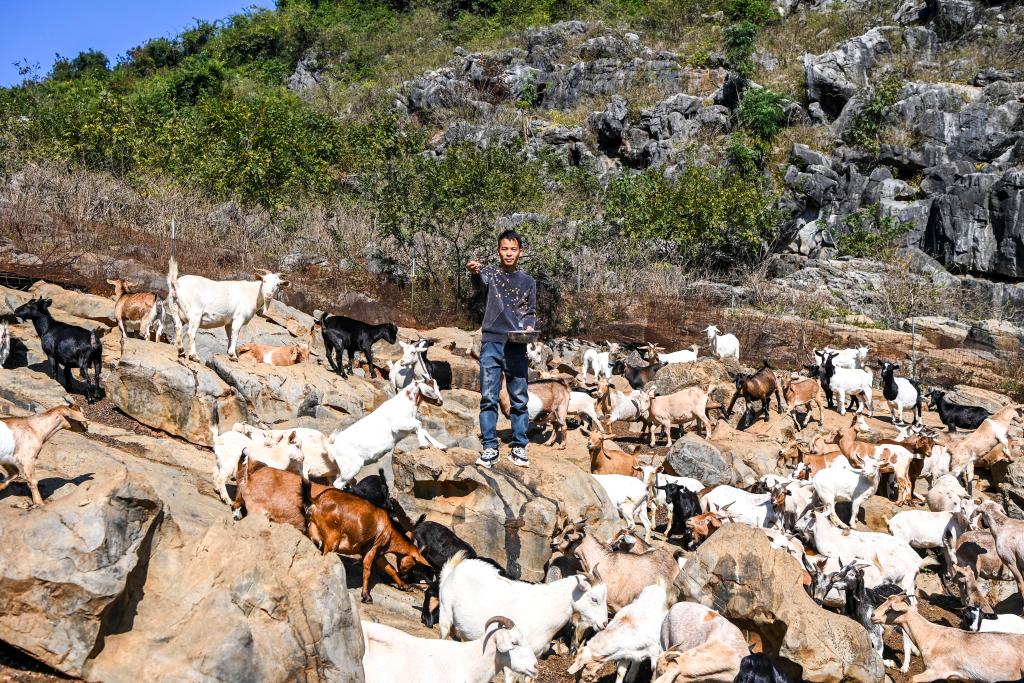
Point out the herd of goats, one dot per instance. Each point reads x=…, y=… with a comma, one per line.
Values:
x=611, y=600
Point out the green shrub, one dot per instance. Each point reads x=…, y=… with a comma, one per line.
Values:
x=762, y=114
x=88, y=63
x=756, y=11
x=156, y=54
x=865, y=235
x=871, y=118
x=739, y=46
x=715, y=217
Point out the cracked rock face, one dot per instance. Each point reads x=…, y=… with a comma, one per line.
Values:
x=738, y=573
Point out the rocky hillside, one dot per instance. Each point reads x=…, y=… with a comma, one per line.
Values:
x=643, y=148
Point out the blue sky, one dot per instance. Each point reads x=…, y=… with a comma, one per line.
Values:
x=36, y=29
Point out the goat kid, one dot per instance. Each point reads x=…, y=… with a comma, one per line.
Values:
x=21, y=439
x=343, y=334
x=143, y=309
x=722, y=345
x=900, y=393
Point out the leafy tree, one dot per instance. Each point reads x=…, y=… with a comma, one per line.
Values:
x=88, y=63
x=756, y=11
x=153, y=55
x=442, y=210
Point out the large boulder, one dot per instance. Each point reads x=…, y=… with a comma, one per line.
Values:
x=247, y=601
x=32, y=391
x=456, y=423
x=834, y=77
x=179, y=397
x=692, y=456
x=79, y=304
x=280, y=394
x=991, y=401
x=506, y=513
x=738, y=573
x=701, y=372
x=1011, y=485
x=67, y=566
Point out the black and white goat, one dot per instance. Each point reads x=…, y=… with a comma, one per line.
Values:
x=862, y=601
x=900, y=393
x=67, y=345
x=684, y=504
x=414, y=365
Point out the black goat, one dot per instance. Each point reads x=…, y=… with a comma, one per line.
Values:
x=758, y=668
x=67, y=345
x=861, y=601
x=638, y=377
x=374, y=488
x=439, y=544
x=954, y=415
x=684, y=504
x=342, y=333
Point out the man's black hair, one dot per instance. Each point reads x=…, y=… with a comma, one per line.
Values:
x=511, y=234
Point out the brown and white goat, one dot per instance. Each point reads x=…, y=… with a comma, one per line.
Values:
x=679, y=408
x=894, y=457
x=547, y=396
x=992, y=432
x=21, y=439
x=144, y=309
x=340, y=522
x=281, y=356
x=705, y=524
x=606, y=457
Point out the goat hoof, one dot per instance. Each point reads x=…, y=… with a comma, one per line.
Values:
x=367, y=599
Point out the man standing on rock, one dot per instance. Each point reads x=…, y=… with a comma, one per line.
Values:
x=511, y=307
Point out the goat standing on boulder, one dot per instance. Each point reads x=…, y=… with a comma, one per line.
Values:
x=144, y=309
x=341, y=333
x=511, y=308
x=67, y=345
x=198, y=302
x=757, y=387
x=21, y=439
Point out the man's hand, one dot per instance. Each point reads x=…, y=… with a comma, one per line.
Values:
x=474, y=267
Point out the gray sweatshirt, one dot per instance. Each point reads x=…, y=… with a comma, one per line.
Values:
x=511, y=302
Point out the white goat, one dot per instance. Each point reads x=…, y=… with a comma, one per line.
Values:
x=471, y=591
x=411, y=366
x=682, y=356
x=947, y=494
x=316, y=461
x=753, y=509
x=5, y=343
x=1001, y=623
x=925, y=529
x=599, y=362
x=207, y=304
x=629, y=496
x=392, y=655
x=372, y=437
x=581, y=405
x=633, y=636
x=846, y=485
x=228, y=447
x=854, y=358
x=700, y=645
x=618, y=406
x=845, y=381
x=722, y=345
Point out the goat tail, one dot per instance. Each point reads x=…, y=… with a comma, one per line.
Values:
x=419, y=520
x=450, y=565
x=929, y=561
x=172, y=279
x=307, y=500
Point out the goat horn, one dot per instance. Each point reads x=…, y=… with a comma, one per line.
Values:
x=504, y=622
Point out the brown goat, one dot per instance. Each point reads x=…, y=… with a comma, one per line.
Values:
x=757, y=387
x=344, y=523
x=554, y=400
x=142, y=308
x=273, y=492
x=280, y=356
x=703, y=525
x=606, y=457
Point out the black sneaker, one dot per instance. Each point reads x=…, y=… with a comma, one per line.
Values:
x=518, y=456
x=488, y=458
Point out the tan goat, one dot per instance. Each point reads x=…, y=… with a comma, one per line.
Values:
x=21, y=439
x=547, y=396
x=679, y=408
x=992, y=432
x=144, y=309
x=953, y=654
x=1009, y=539
x=803, y=391
x=606, y=457
x=972, y=556
x=280, y=356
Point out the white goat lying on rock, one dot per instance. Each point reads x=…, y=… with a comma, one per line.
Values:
x=699, y=645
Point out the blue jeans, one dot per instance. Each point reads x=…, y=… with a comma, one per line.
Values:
x=497, y=358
